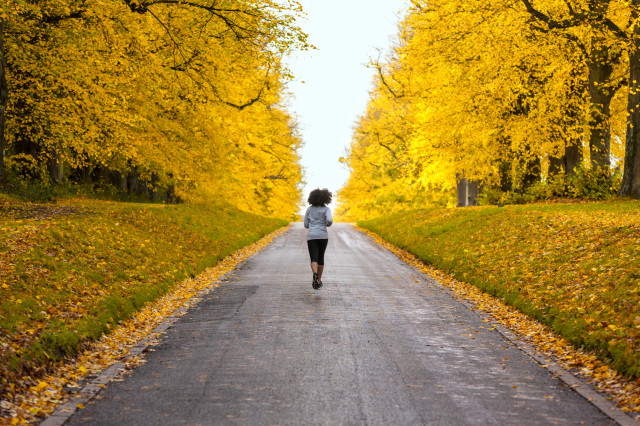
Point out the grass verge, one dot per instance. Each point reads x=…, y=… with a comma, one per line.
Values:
x=573, y=267
x=71, y=271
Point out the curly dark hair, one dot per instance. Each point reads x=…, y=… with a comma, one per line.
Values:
x=320, y=197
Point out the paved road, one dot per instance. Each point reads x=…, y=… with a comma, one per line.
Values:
x=372, y=347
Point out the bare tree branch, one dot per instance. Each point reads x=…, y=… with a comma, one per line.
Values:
x=577, y=18
x=385, y=146
x=185, y=68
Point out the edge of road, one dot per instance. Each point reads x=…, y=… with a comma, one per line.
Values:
x=93, y=386
x=581, y=387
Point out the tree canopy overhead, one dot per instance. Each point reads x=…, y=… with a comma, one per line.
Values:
x=510, y=93
x=181, y=97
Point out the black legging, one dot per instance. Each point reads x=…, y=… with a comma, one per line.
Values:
x=316, y=250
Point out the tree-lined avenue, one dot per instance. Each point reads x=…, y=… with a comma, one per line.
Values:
x=378, y=344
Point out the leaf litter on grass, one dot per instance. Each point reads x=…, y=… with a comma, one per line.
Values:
x=624, y=392
x=34, y=398
x=72, y=272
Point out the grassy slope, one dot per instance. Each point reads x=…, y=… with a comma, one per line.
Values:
x=575, y=267
x=70, y=271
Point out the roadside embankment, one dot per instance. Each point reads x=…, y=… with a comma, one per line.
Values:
x=573, y=267
x=71, y=271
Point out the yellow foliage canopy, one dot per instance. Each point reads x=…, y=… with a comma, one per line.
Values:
x=490, y=93
x=183, y=96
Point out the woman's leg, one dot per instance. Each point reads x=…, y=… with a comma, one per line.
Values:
x=322, y=247
x=312, y=245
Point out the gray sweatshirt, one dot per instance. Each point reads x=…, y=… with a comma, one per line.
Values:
x=316, y=219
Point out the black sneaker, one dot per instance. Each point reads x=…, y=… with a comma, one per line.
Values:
x=314, y=284
x=319, y=284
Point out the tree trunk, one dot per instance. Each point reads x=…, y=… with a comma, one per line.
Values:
x=461, y=189
x=85, y=173
x=531, y=173
x=568, y=162
x=505, y=174
x=557, y=165
x=3, y=103
x=133, y=181
x=143, y=187
x=474, y=189
x=155, y=194
x=55, y=166
x=573, y=156
x=631, y=175
x=468, y=191
x=170, y=195
x=600, y=93
x=123, y=182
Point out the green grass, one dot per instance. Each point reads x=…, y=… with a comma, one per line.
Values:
x=574, y=267
x=70, y=271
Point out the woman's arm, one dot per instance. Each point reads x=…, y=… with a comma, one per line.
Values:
x=306, y=219
x=328, y=217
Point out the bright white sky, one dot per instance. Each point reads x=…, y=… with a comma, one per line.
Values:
x=336, y=82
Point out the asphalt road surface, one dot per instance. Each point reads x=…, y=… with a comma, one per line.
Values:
x=373, y=346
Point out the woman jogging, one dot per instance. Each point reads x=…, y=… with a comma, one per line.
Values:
x=316, y=219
